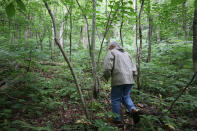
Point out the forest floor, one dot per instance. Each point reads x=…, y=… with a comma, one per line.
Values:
x=43, y=97
x=67, y=117
x=73, y=116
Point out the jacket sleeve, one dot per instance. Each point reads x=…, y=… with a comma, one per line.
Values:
x=108, y=65
x=133, y=66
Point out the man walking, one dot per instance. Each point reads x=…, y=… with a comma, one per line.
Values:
x=119, y=66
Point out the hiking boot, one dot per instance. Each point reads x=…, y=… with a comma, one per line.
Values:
x=135, y=114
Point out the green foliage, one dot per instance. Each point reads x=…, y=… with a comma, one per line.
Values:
x=96, y=106
x=28, y=94
x=111, y=115
x=26, y=126
x=10, y=10
x=147, y=123
x=163, y=79
x=107, y=114
x=21, y=5
x=102, y=126
x=164, y=66
x=176, y=2
x=35, y=93
x=195, y=4
x=169, y=122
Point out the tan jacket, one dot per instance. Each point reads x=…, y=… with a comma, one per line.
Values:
x=119, y=66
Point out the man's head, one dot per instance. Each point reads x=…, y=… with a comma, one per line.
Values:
x=112, y=45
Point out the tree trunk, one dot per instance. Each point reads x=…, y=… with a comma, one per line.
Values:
x=41, y=36
x=10, y=34
x=41, y=45
x=61, y=34
x=184, y=20
x=52, y=43
x=195, y=41
x=121, y=25
x=81, y=35
x=94, y=71
x=19, y=32
x=140, y=48
x=85, y=38
x=70, y=35
x=106, y=5
x=92, y=46
x=39, y=41
x=158, y=34
x=135, y=29
x=67, y=60
x=25, y=35
x=49, y=40
x=150, y=30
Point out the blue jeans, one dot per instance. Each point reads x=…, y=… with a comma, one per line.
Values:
x=121, y=94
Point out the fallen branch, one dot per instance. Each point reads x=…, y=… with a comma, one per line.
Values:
x=187, y=86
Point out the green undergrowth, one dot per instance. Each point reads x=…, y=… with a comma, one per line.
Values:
x=169, y=71
x=31, y=90
x=38, y=96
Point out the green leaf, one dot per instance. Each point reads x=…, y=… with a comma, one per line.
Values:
x=21, y=5
x=195, y=4
x=10, y=10
x=177, y=2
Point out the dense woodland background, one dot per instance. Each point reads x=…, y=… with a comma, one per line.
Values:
x=51, y=55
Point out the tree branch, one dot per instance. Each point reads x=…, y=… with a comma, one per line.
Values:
x=109, y=22
x=187, y=86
